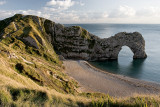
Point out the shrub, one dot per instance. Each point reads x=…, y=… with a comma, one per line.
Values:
x=19, y=67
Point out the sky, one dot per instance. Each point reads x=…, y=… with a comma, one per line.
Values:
x=86, y=11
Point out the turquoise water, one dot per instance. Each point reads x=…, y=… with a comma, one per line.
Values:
x=145, y=69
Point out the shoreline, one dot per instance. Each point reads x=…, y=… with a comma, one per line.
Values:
x=122, y=77
x=92, y=79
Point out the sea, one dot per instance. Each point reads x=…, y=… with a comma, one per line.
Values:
x=144, y=69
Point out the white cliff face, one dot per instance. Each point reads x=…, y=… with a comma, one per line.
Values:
x=77, y=43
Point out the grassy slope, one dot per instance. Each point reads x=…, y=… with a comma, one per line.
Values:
x=34, y=76
x=25, y=66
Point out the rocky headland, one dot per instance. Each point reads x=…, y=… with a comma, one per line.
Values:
x=77, y=43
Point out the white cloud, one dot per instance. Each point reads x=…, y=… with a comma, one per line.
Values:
x=53, y=9
x=5, y=13
x=123, y=11
x=2, y=2
x=126, y=14
x=68, y=17
x=34, y=12
x=81, y=3
x=105, y=15
x=85, y=17
x=61, y=5
x=149, y=12
x=63, y=16
x=65, y=4
x=57, y=11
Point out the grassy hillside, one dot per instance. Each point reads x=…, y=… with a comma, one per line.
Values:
x=31, y=73
x=30, y=63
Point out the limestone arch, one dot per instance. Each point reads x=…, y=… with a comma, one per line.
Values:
x=134, y=41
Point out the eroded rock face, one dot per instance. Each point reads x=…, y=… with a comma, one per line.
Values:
x=77, y=43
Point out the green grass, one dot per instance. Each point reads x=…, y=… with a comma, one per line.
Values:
x=130, y=102
x=28, y=97
x=5, y=98
x=41, y=63
x=23, y=97
x=84, y=34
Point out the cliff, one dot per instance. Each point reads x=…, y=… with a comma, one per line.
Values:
x=77, y=43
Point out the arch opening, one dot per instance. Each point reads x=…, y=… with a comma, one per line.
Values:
x=125, y=53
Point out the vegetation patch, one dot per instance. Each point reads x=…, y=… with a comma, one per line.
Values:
x=19, y=67
x=8, y=40
x=91, y=43
x=5, y=98
x=84, y=34
x=16, y=97
x=29, y=95
x=29, y=72
x=26, y=31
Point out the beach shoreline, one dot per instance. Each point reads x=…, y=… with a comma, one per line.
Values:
x=92, y=79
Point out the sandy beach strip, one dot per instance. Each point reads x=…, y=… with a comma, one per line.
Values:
x=92, y=79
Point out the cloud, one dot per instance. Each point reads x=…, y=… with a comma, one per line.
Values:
x=61, y=17
x=2, y=2
x=65, y=4
x=9, y=13
x=85, y=17
x=81, y=3
x=70, y=16
x=122, y=12
x=149, y=12
x=61, y=5
x=5, y=14
x=59, y=12
x=126, y=14
x=105, y=15
x=34, y=12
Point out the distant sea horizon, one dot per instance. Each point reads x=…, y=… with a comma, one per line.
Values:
x=67, y=24
x=144, y=69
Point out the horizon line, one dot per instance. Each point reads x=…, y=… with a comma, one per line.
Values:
x=116, y=23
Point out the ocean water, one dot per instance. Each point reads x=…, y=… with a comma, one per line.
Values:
x=145, y=69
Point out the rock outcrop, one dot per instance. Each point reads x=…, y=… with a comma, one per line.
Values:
x=71, y=42
x=77, y=43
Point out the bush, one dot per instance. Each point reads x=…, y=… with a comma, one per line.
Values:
x=19, y=67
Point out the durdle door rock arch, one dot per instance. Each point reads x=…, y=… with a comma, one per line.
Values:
x=77, y=43
x=134, y=41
